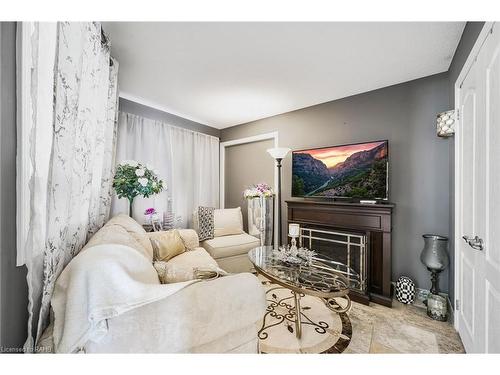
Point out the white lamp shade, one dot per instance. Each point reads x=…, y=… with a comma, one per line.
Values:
x=278, y=152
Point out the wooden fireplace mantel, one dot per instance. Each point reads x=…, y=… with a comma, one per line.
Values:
x=373, y=219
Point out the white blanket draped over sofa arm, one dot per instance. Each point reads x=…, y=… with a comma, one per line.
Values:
x=109, y=299
x=208, y=316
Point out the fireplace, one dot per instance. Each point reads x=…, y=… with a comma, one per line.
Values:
x=352, y=233
x=346, y=248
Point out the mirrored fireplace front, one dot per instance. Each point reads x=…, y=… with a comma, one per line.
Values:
x=343, y=247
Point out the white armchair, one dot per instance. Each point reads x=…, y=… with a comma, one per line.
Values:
x=230, y=245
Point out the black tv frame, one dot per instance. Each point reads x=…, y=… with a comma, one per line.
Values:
x=386, y=199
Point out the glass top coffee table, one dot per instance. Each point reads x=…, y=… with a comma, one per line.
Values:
x=323, y=278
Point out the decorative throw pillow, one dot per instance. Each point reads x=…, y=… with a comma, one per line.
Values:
x=161, y=269
x=205, y=223
x=228, y=221
x=166, y=244
x=191, y=265
x=190, y=238
x=134, y=229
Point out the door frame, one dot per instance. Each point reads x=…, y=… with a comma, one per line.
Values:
x=471, y=59
x=222, y=167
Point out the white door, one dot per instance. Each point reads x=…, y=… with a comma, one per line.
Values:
x=478, y=200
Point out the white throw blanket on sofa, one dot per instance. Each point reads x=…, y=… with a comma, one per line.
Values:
x=102, y=282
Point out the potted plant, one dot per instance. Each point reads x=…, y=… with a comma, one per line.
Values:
x=134, y=179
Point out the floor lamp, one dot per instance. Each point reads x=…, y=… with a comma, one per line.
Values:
x=279, y=153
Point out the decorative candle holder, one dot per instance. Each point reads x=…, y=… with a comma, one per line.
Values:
x=437, y=308
x=435, y=257
x=293, y=232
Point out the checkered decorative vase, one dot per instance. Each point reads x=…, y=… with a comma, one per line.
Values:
x=405, y=290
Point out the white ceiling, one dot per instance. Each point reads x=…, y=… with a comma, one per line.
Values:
x=224, y=74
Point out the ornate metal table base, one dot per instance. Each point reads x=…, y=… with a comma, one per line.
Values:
x=333, y=305
x=294, y=313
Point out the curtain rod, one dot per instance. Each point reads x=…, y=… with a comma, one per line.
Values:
x=174, y=126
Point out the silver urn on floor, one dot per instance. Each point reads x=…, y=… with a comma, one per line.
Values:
x=260, y=219
x=435, y=257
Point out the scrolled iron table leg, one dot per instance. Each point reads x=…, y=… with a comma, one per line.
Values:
x=298, y=320
x=339, y=309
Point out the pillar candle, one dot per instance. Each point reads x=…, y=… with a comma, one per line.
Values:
x=293, y=230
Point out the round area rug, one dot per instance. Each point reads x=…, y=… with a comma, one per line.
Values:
x=323, y=331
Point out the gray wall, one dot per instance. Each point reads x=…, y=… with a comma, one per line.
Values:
x=236, y=172
x=155, y=114
x=13, y=286
x=419, y=160
x=469, y=36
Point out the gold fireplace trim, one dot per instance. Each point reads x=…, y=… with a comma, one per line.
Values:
x=307, y=235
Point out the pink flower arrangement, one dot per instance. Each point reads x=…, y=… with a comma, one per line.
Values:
x=260, y=190
x=150, y=211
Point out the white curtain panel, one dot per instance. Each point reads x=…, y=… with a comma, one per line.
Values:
x=187, y=161
x=78, y=174
x=37, y=43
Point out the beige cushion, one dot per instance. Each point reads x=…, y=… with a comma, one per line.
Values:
x=166, y=244
x=227, y=246
x=228, y=221
x=181, y=268
x=134, y=229
x=196, y=226
x=116, y=234
x=190, y=238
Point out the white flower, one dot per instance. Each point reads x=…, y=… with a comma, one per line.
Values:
x=155, y=171
x=131, y=163
x=143, y=181
x=139, y=172
x=249, y=193
x=149, y=166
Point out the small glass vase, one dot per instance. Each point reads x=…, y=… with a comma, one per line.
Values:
x=260, y=218
x=437, y=307
x=150, y=219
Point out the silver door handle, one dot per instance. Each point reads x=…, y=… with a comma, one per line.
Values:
x=476, y=242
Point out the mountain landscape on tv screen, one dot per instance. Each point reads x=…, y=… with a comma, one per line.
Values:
x=358, y=171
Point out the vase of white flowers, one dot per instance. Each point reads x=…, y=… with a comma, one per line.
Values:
x=134, y=179
x=260, y=201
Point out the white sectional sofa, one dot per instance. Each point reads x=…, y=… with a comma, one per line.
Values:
x=216, y=316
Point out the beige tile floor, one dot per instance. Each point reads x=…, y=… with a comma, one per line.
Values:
x=400, y=329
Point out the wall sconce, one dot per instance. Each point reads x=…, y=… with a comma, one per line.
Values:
x=446, y=124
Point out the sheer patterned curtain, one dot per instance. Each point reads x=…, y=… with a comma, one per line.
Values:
x=74, y=182
x=187, y=161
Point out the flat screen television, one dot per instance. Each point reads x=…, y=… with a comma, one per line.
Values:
x=358, y=170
